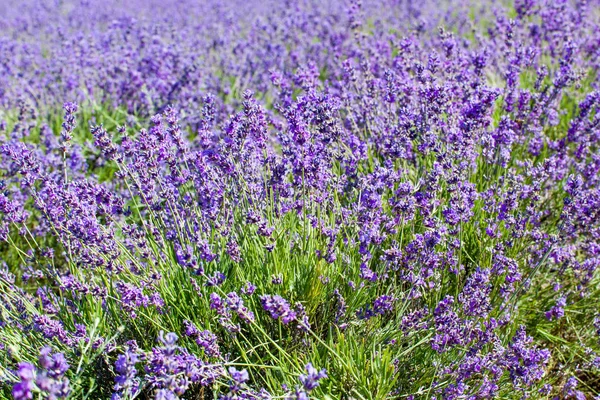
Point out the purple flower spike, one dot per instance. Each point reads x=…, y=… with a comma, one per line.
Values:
x=278, y=307
x=22, y=390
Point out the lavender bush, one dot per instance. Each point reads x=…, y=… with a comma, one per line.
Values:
x=300, y=199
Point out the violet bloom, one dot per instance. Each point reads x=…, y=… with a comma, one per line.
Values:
x=278, y=307
x=217, y=304
x=311, y=380
x=126, y=381
x=570, y=391
x=383, y=304
x=68, y=125
x=49, y=379
x=524, y=361
x=55, y=364
x=239, y=378
x=205, y=339
x=248, y=289
x=22, y=390
x=557, y=311
x=236, y=304
x=448, y=326
x=474, y=298
x=216, y=279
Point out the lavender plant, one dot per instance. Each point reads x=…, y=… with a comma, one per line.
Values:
x=250, y=200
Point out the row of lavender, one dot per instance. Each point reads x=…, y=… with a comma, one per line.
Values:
x=329, y=199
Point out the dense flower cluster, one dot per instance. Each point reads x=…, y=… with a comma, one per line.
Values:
x=406, y=195
x=49, y=380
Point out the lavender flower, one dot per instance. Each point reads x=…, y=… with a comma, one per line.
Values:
x=420, y=176
x=311, y=380
x=239, y=378
x=557, y=311
x=24, y=388
x=278, y=308
x=126, y=382
x=68, y=125
x=49, y=379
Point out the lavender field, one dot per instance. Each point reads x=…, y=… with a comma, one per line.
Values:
x=299, y=199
